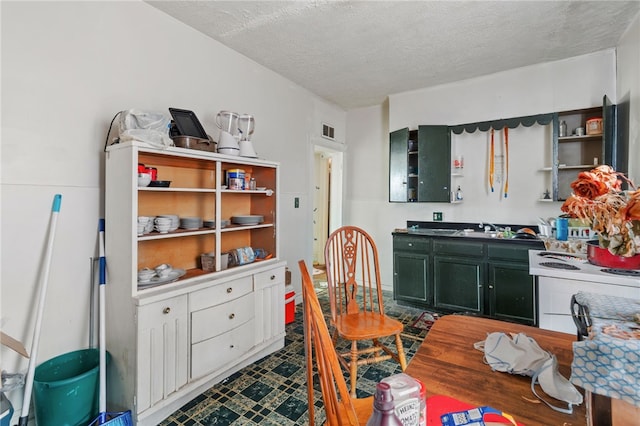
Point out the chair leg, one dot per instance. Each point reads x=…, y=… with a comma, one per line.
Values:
x=334, y=337
x=400, y=348
x=353, y=364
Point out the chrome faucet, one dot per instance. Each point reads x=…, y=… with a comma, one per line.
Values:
x=487, y=226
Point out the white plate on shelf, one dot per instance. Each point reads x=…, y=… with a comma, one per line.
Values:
x=261, y=188
x=173, y=276
x=250, y=219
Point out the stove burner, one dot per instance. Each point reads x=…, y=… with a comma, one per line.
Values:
x=629, y=272
x=560, y=256
x=558, y=265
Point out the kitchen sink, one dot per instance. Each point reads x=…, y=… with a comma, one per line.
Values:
x=435, y=231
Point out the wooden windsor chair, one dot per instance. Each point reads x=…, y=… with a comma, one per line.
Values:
x=357, y=306
x=340, y=408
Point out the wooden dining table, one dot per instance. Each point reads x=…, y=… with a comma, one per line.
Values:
x=448, y=364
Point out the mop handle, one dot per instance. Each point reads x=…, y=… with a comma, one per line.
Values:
x=26, y=401
x=102, y=333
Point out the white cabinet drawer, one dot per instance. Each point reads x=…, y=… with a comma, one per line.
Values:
x=269, y=277
x=222, y=350
x=210, y=322
x=221, y=293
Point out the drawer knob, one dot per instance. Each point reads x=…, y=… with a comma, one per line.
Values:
x=410, y=244
x=232, y=316
x=231, y=346
x=273, y=277
x=166, y=310
x=230, y=289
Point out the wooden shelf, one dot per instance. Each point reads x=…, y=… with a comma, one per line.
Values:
x=575, y=138
x=580, y=166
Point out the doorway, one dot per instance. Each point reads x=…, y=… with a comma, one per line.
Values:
x=327, y=197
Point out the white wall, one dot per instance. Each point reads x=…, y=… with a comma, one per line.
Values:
x=67, y=68
x=629, y=88
x=578, y=82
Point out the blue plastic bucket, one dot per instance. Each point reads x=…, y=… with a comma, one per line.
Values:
x=6, y=410
x=66, y=389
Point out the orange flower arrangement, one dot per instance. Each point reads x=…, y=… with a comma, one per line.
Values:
x=615, y=214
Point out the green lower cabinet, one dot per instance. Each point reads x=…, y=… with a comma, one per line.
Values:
x=512, y=292
x=457, y=284
x=410, y=272
x=461, y=275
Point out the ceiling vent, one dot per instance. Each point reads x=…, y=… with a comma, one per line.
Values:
x=328, y=131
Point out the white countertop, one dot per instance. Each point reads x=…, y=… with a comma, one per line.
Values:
x=586, y=271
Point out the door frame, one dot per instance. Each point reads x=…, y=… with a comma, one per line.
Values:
x=335, y=193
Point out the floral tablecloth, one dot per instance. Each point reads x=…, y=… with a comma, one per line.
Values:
x=608, y=363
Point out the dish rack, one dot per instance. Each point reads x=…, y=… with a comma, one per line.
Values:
x=582, y=232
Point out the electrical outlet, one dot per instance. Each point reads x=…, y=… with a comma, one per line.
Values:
x=437, y=216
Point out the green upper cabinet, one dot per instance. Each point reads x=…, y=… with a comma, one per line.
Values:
x=420, y=165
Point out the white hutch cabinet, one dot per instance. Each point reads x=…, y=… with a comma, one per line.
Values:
x=170, y=342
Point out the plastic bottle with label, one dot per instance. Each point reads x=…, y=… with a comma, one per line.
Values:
x=459, y=194
x=383, y=407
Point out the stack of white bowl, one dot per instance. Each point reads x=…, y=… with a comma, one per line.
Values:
x=150, y=225
x=190, y=222
x=175, y=220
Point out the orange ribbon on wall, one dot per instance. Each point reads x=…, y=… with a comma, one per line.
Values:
x=506, y=159
x=491, y=165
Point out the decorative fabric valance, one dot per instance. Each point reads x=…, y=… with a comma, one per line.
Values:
x=512, y=123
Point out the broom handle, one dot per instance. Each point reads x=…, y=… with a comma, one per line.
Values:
x=103, y=343
x=26, y=401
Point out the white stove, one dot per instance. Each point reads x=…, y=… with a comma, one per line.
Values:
x=572, y=266
x=561, y=275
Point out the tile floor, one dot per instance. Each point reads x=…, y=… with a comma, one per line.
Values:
x=273, y=390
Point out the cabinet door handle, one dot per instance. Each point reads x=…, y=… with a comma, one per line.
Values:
x=230, y=289
x=166, y=310
x=232, y=316
x=273, y=277
x=231, y=346
x=490, y=286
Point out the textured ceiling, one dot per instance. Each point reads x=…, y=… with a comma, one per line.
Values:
x=356, y=53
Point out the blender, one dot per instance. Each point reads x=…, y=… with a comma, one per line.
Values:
x=227, y=122
x=246, y=125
